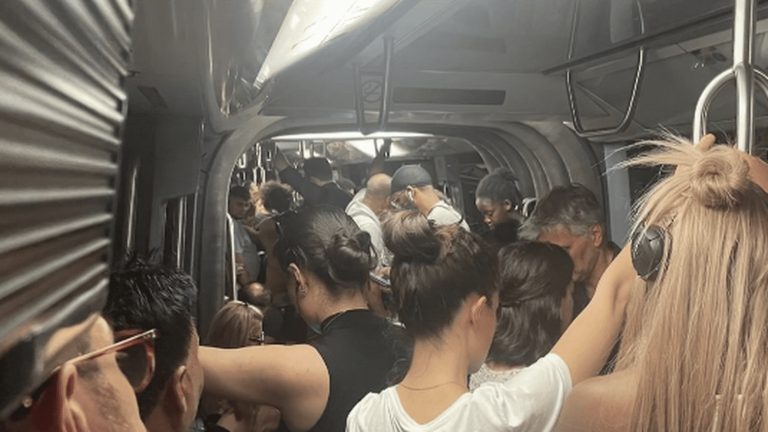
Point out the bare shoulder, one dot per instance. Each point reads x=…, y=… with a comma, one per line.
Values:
x=600, y=404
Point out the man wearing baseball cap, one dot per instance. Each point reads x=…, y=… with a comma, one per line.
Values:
x=412, y=188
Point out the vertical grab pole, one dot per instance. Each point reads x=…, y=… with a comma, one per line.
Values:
x=743, y=49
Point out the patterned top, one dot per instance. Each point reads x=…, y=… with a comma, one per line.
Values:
x=485, y=374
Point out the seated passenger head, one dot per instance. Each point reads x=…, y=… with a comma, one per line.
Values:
x=408, y=185
x=535, y=302
x=318, y=169
x=326, y=255
x=88, y=392
x=239, y=202
x=498, y=199
x=276, y=197
x=436, y=271
x=237, y=324
x=570, y=217
x=144, y=296
x=697, y=334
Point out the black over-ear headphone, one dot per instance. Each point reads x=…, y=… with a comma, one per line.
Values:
x=647, y=251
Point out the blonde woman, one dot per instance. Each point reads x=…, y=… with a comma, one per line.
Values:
x=236, y=325
x=694, y=350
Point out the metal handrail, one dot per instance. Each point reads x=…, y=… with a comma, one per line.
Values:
x=632, y=103
x=231, y=252
x=746, y=75
x=386, y=92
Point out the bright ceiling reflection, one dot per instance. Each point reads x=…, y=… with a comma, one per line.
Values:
x=310, y=24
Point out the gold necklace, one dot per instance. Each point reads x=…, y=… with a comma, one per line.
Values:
x=432, y=387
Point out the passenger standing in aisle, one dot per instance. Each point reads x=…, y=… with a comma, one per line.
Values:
x=445, y=281
x=144, y=296
x=317, y=185
x=247, y=259
x=535, y=308
x=499, y=201
x=693, y=350
x=412, y=189
x=366, y=213
x=571, y=217
x=328, y=259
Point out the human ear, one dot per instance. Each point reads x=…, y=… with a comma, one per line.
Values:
x=57, y=408
x=476, y=308
x=182, y=386
x=597, y=235
x=301, y=281
x=507, y=205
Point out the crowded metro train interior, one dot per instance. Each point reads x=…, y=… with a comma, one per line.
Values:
x=228, y=147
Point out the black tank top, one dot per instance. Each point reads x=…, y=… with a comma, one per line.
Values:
x=359, y=351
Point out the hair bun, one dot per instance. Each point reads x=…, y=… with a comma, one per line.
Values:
x=411, y=238
x=720, y=178
x=349, y=257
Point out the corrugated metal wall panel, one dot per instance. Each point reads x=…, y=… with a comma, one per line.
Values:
x=62, y=106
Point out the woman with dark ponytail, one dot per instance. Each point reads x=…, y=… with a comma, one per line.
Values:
x=445, y=282
x=499, y=201
x=328, y=259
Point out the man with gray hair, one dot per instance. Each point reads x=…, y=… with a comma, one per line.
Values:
x=571, y=217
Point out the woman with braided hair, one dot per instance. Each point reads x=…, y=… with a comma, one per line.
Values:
x=694, y=352
x=314, y=385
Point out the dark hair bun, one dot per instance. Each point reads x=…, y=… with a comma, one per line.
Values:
x=720, y=178
x=411, y=237
x=349, y=257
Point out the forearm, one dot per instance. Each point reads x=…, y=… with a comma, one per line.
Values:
x=588, y=341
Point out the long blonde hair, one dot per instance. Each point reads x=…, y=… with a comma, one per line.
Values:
x=698, y=336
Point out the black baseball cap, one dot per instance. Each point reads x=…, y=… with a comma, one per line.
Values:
x=410, y=175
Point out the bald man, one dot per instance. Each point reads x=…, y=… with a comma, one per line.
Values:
x=366, y=212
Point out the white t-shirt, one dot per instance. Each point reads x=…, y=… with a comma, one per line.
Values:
x=444, y=214
x=531, y=401
x=369, y=222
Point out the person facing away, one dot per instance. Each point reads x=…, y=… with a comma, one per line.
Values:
x=89, y=392
x=535, y=308
x=499, y=200
x=247, y=259
x=276, y=197
x=570, y=217
x=315, y=385
x=693, y=350
x=143, y=296
x=445, y=281
x=237, y=324
x=411, y=189
x=367, y=212
x=317, y=185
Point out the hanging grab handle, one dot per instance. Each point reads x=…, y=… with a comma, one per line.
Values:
x=629, y=113
x=746, y=75
x=386, y=93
